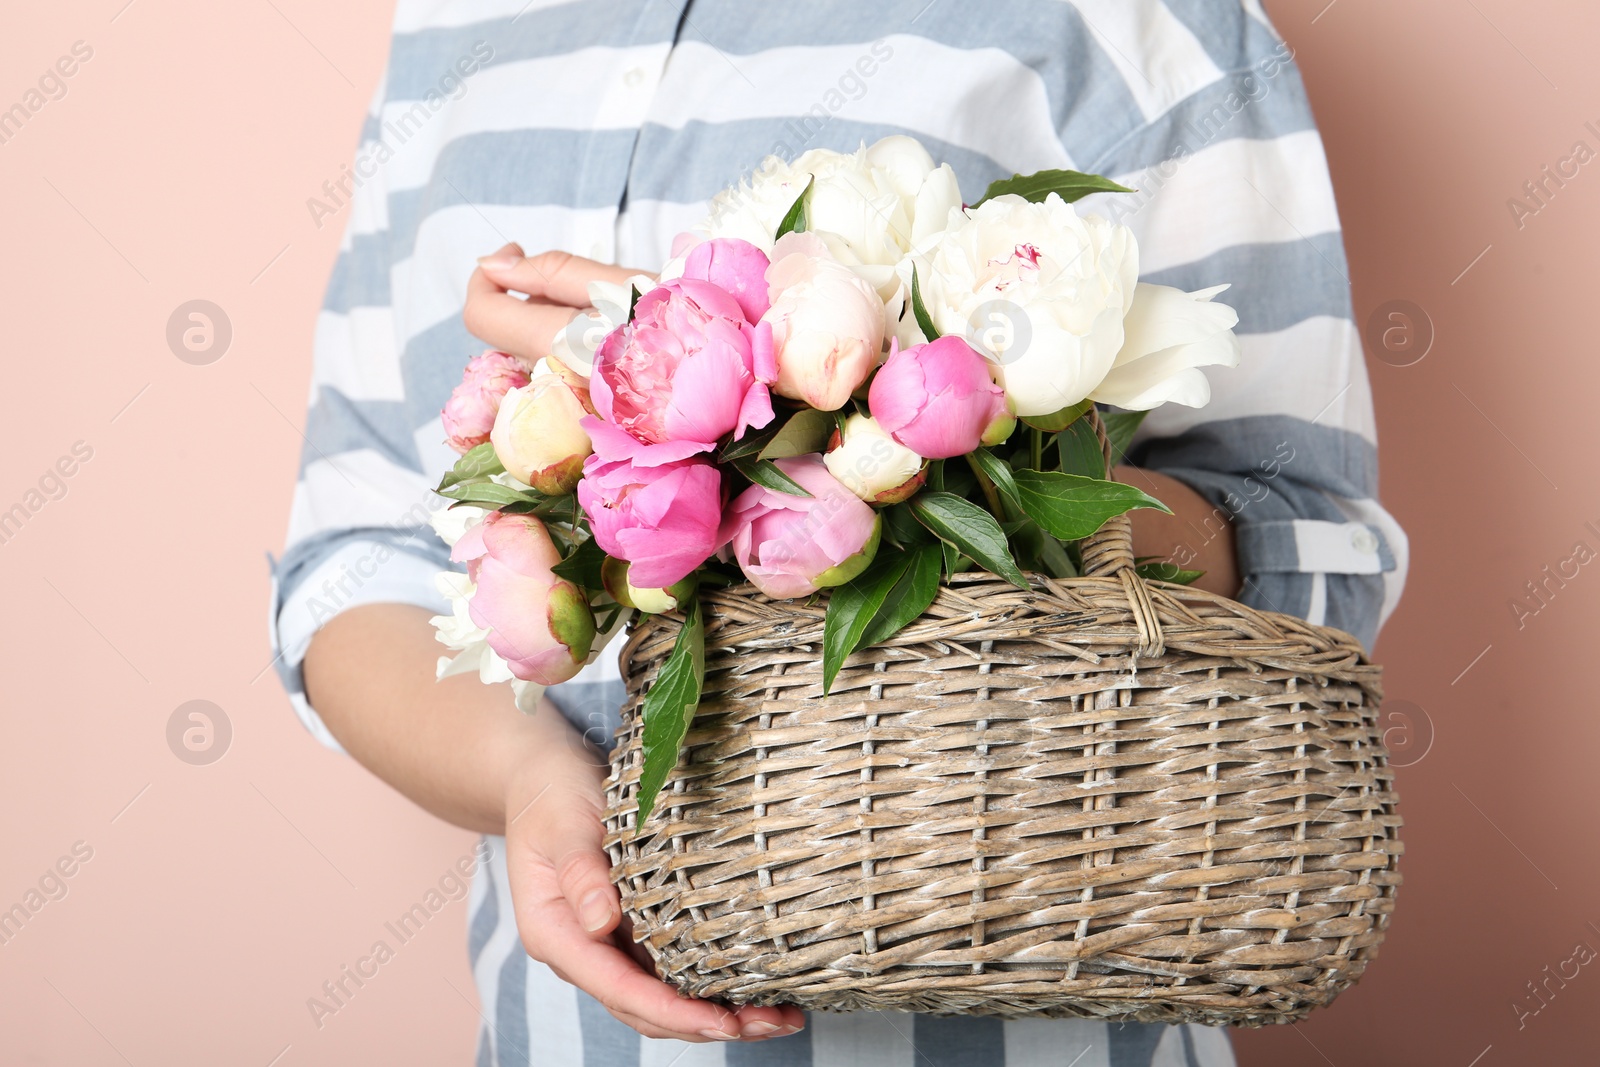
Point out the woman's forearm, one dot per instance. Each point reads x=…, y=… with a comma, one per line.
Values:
x=1197, y=535
x=450, y=745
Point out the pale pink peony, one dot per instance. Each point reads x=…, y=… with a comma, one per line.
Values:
x=539, y=437
x=939, y=399
x=791, y=546
x=662, y=518
x=827, y=323
x=469, y=414
x=539, y=623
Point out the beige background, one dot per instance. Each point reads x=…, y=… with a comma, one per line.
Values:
x=218, y=898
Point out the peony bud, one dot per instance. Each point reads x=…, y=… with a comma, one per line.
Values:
x=939, y=399
x=538, y=437
x=538, y=622
x=791, y=546
x=614, y=576
x=469, y=414
x=827, y=323
x=873, y=465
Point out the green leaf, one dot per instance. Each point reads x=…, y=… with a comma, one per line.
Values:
x=769, y=475
x=795, y=218
x=1080, y=451
x=480, y=462
x=490, y=494
x=851, y=607
x=952, y=557
x=1073, y=507
x=924, y=320
x=1053, y=554
x=903, y=529
x=1120, y=426
x=1070, y=185
x=670, y=705
x=910, y=597
x=633, y=300
x=750, y=445
x=583, y=565
x=1037, y=550
x=997, y=471
x=971, y=529
x=806, y=431
x=1167, y=571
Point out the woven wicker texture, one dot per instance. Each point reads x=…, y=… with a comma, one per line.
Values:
x=1104, y=797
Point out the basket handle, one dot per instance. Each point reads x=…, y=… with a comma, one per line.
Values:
x=1108, y=552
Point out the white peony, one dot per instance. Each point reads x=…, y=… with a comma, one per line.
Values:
x=1167, y=335
x=452, y=523
x=1038, y=288
x=870, y=206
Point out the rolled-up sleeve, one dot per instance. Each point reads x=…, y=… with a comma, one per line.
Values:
x=1233, y=186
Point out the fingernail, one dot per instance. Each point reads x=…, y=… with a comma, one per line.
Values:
x=719, y=1035
x=758, y=1029
x=499, y=261
x=787, y=1030
x=595, y=910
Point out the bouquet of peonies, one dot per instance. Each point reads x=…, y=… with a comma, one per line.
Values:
x=846, y=379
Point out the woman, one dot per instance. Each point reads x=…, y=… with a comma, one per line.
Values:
x=590, y=133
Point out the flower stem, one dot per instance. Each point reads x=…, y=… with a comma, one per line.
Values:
x=1036, y=438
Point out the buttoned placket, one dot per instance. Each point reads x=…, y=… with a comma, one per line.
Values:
x=625, y=105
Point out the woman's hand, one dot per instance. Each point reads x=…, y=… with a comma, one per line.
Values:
x=557, y=288
x=569, y=912
x=463, y=751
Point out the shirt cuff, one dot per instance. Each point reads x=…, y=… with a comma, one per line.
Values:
x=357, y=572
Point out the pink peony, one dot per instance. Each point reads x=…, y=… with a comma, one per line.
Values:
x=540, y=624
x=791, y=546
x=691, y=366
x=736, y=266
x=939, y=399
x=661, y=518
x=468, y=415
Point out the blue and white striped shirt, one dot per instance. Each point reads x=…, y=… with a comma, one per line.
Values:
x=603, y=127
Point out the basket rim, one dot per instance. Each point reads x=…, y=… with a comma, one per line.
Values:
x=1290, y=635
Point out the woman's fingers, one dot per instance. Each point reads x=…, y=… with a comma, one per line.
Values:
x=568, y=911
x=523, y=328
x=609, y=975
x=568, y=834
x=553, y=277
x=556, y=284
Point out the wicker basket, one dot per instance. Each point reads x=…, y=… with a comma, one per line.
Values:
x=1107, y=797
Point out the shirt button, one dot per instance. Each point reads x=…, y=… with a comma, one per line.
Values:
x=1363, y=540
x=633, y=76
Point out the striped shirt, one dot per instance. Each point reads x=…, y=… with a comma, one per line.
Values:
x=603, y=127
